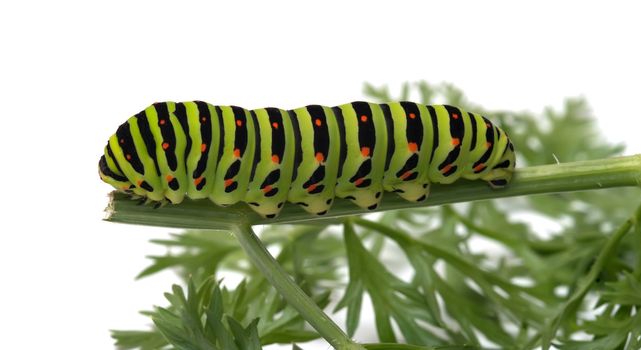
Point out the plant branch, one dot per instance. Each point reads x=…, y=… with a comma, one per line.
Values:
x=555, y=178
x=292, y=293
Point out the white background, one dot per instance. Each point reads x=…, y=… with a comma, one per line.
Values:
x=72, y=71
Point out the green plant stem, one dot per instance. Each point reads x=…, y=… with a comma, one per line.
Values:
x=292, y=293
x=566, y=177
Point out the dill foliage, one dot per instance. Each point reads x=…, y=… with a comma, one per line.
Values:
x=430, y=286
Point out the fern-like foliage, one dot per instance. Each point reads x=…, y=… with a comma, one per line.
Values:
x=575, y=286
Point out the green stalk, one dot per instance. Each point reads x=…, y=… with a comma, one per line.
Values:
x=292, y=293
x=566, y=177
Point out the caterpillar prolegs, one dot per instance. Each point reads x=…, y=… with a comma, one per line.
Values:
x=307, y=156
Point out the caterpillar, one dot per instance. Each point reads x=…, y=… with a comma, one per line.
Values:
x=307, y=156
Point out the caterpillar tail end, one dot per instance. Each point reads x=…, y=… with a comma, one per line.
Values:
x=502, y=173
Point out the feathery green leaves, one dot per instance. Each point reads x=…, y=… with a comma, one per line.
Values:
x=538, y=271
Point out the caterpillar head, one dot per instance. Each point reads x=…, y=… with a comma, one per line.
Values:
x=107, y=175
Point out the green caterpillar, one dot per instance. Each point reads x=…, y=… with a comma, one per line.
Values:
x=306, y=156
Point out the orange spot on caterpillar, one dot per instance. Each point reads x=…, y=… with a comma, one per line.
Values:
x=412, y=146
x=456, y=142
x=363, y=118
x=198, y=181
x=488, y=144
x=239, y=122
x=455, y=116
x=446, y=168
x=479, y=167
x=267, y=188
x=128, y=156
x=412, y=115
x=320, y=157
x=228, y=182
x=311, y=187
x=165, y=145
x=203, y=119
x=203, y=147
x=161, y=122
x=365, y=151
x=122, y=141
x=169, y=178
x=275, y=125
x=125, y=187
x=275, y=159
x=139, y=182
x=359, y=181
x=237, y=153
x=406, y=175
x=318, y=122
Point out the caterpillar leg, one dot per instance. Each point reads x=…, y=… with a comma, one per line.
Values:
x=267, y=210
x=361, y=189
x=142, y=200
x=501, y=173
x=316, y=205
x=498, y=178
x=160, y=204
x=367, y=199
x=314, y=191
x=266, y=196
x=412, y=191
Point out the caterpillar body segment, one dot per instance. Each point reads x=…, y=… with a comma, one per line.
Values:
x=307, y=156
x=317, y=155
x=273, y=163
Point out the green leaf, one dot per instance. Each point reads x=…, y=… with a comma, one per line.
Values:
x=195, y=321
x=392, y=299
x=199, y=254
x=626, y=291
x=214, y=327
x=144, y=340
x=245, y=338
